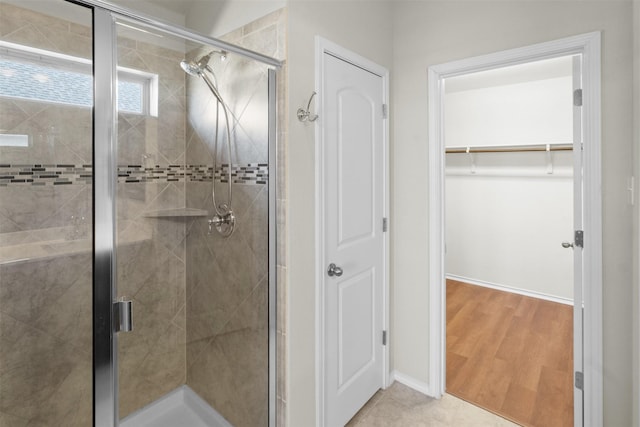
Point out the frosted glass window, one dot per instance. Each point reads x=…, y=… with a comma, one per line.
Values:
x=42, y=83
x=9, y=140
x=59, y=79
x=130, y=97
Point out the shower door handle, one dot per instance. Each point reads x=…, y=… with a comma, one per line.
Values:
x=334, y=270
x=123, y=315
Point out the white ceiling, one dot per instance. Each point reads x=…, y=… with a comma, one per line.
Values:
x=177, y=6
x=174, y=11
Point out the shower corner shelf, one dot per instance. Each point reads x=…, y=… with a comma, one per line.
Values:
x=176, y=213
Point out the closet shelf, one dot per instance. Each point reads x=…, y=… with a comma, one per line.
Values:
x=509, y=148
x=176, y=213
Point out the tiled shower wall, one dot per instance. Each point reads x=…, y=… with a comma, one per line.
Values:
x=151, y=261
x=45, y=261
x=227, y=279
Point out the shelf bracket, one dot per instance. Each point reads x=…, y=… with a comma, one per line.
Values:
x=472, y=158
x=549, y=160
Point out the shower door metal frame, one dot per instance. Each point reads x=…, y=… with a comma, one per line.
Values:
x=148, y=21
x=105, y=339
x=272, y=244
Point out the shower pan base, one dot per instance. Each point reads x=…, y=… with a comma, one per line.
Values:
x=180, y=407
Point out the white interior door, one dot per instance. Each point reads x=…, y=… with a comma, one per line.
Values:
x=578, y=300
x=353, y=195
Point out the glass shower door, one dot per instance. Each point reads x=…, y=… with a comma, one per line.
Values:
x=150, y=227
x=87, y=219
x=46, y=171
x=200, y=297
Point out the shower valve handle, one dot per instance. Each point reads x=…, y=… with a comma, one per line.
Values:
x=216, y=221
x=225, y=223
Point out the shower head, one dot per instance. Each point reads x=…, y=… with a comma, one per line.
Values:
x=197, y=67
x=190, y=68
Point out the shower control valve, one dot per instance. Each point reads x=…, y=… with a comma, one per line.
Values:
x=216, y=221
x=224, y=224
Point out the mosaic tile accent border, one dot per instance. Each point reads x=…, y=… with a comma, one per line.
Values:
x=42, y=175
x=45, y=174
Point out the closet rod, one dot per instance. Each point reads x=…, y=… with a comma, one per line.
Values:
x=510, y=148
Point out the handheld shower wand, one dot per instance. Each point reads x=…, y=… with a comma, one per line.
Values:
x=224, y=220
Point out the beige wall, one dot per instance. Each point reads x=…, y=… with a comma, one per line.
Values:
x=365, y=29
x=430, y=33
x=636, y=233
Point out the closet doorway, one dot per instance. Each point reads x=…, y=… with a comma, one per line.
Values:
x=524, y=336
x=508, y=206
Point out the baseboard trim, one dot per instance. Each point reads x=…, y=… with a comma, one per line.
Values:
x=412, y=383
x=533, y=294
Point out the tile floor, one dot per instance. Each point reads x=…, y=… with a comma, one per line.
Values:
x=400, y=406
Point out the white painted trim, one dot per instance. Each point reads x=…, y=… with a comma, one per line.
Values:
x=325, y=46
x=319, y=235
x=511, y=289
x=636, y=214
x=182, y=396
x=592, y=202
x=499, y=173
x=411, y=382
x=589, y=46
x=437, y=312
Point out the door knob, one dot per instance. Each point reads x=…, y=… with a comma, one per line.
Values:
x=567, y=245
x=334, y=270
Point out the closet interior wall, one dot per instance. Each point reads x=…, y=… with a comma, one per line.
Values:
x=509, y=211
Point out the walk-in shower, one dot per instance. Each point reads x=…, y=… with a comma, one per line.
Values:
x=112, y=161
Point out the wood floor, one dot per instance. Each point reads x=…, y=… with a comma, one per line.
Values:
x=510, y=354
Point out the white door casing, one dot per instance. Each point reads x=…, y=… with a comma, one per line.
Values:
x=352, y=191
x=578, y=401
x=588, y=402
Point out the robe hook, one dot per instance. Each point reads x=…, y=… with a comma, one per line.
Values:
x=304, y=115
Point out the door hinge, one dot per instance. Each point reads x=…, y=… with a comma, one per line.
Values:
x=384, y=111
x=384, y=337
x=577, y=97
x=579, y=380
x=578, y=239
x=385, y=225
